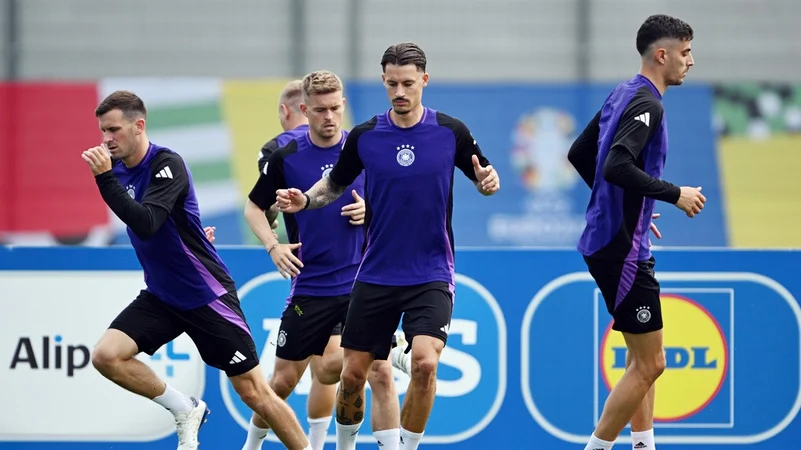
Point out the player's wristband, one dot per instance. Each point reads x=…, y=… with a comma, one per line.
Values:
x=308, y=201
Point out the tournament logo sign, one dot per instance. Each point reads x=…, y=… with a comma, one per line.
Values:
x=550, y=197
x=471, y=377
x=690, y=391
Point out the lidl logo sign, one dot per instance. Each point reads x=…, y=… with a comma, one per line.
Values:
x=698, y=400
x=697, y=353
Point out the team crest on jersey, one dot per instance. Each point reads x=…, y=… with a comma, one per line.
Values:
x=131, y=189
x=405, y=155
x=326, y=169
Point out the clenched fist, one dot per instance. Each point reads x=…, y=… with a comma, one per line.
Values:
x=98, y=159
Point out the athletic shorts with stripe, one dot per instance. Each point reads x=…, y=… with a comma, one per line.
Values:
x=375, y=311
x=219, y=330
x=631, y=293
x=307, y=324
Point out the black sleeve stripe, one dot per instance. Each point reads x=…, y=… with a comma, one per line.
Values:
x=466, y=145
x=583, y=154
x=272, y=179
x=265, y=152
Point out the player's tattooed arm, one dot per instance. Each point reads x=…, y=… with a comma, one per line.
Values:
x=323, y=193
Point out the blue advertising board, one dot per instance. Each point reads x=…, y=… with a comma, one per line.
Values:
x=530, y=356
x=526, y=131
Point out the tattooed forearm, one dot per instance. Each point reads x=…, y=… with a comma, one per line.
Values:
x=323, y=193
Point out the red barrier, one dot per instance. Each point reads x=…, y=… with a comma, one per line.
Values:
x=44, y=184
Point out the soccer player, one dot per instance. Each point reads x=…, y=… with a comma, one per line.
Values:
x=293, y=121
x=188, y=287
x=408, y=155
x=621, y=155
x=322, y=274
x=320, y=402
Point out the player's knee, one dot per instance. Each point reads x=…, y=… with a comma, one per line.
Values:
x=353, y=379
x=250, y=396
x=253, y=389
x=283, y=384
x=104, y=358
x=330, y=368
x=424, y=367
x=327, y=374
x=660, y=362
x=252, y=392
x=651, y=367
x=381, y=378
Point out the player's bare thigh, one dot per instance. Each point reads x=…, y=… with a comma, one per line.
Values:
x=327, y=368
x=381, y=376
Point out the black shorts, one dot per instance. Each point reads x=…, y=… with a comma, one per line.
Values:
x=631, y=293
x=219, y=330
x=375, y=311
x=307, y=323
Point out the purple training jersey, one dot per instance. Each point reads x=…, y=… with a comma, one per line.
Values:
x=278, y=142
x=181, y=267
x=409, y=187
x=331, y=247
x=631, y=122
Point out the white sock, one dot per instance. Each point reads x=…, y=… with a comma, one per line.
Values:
x=175, y=401
x=598, y=444
x=388, y=439
x=409, y=440
x=256, y=437
x=346, y=436
x=318, y=430
x=643, y=440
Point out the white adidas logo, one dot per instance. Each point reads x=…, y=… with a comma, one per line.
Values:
x=238, y=358
x=165, y=173
x=644, y=118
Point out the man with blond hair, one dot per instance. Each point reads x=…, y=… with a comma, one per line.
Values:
x=321, y=396
x=322, y=277
x=409, y=154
